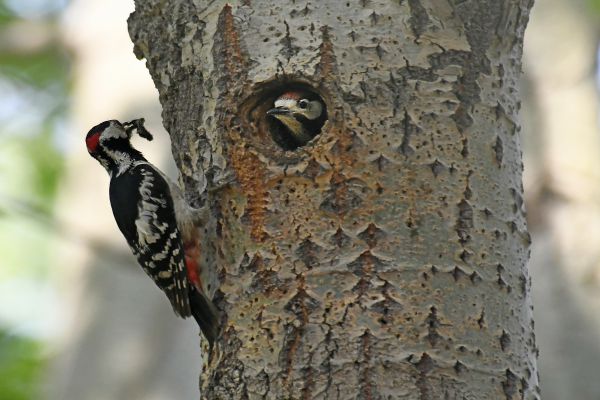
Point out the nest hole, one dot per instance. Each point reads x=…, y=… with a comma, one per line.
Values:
x=280, y=127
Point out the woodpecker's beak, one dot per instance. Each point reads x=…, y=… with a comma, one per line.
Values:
x=279, y=111
x=138, y=126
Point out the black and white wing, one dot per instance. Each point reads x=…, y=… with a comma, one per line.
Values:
x=144, y=211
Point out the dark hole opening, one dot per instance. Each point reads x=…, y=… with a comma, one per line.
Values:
x=295, y=120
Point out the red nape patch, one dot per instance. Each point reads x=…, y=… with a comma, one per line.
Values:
x=92, y=142
x=291, y=96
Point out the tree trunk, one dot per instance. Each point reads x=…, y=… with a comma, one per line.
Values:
x=387, y=257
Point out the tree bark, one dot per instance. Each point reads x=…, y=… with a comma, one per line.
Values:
x=387, y=257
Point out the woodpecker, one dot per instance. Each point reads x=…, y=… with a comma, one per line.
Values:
x=155, y=219
x=302, y=115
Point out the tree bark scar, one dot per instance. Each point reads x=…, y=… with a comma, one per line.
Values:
x=433, y=323
x=234, y=61
x=299, y=307
x=424, y=366
x=339, y=199
x=363, y=268
x=366, y=386
x=509, y=386
x=327, y=65
x=464, y=222
x=418, y=17
x=250, y=173
x=371, y=235
x=309, y=373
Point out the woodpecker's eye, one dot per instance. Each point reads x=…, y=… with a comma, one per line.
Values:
x=303, y=103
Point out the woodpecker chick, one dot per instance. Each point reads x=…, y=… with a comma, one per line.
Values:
x=155, y=219
x=302, y=115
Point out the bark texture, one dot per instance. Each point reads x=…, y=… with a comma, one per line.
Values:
x=387, y=258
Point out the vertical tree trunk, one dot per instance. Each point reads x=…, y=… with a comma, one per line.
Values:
x=387, y=257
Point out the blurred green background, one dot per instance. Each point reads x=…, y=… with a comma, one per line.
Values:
x=50, y=94
x=34, y=105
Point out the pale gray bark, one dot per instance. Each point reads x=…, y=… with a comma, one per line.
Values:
x=387, y=258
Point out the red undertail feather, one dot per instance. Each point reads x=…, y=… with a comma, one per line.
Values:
x=192, y=254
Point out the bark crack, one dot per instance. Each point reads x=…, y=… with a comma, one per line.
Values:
x=364, y=362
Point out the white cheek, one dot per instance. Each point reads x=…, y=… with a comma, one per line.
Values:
x=112, y=132
x=314, y=110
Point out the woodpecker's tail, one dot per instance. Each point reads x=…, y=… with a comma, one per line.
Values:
x=205, y=313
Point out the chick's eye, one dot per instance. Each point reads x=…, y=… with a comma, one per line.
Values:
x=303, y=103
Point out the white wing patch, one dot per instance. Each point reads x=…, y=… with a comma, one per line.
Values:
x=148, y=227
x=159, y=247
x=165, y=274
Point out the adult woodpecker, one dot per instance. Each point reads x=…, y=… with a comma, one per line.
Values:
x=155, y=219
x=302, y=115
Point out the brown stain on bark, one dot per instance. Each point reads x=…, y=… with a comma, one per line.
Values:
x=250, y=173
x=344, y=149
x=234, y=59
x=327, y=64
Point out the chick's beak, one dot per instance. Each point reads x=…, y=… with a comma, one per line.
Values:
x=279, y=111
